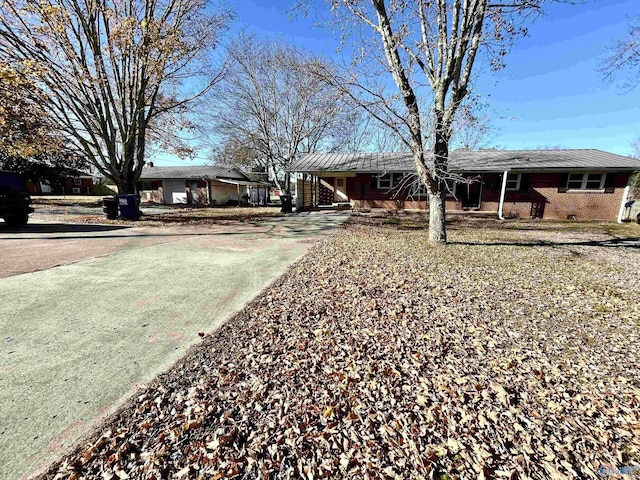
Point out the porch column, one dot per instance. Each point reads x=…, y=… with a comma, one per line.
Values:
x=625, y=195
x=503, y=191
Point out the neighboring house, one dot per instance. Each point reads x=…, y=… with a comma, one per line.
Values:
x=73, y=185
x=259, y=192
x=558, y=184
x=194, y=185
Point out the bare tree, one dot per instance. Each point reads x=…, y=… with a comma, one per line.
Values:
x=473, y=128
x=635, y=148
x=625, y=56
x=368, y=134
x=272, y=102
x=110, y=70
x=430, y=48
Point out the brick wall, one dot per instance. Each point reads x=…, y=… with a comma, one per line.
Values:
x=307, y=192
x=584, y=205
x=540, y=199
x=544, y=200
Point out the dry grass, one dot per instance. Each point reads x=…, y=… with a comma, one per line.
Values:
x=66, y=200
x=170, y=216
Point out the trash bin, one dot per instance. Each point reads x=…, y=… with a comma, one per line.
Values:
x=128, y=206
x=285, y=201
x=110, y=207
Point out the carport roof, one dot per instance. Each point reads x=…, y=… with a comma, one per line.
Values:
x=207, y=172
x=470, y=161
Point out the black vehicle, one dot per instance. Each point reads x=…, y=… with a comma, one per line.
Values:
x=15, y=201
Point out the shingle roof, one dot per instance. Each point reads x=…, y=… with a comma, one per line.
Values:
x=193, y=172
x=470, y=161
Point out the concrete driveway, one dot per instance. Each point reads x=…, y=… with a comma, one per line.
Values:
x=90, y=313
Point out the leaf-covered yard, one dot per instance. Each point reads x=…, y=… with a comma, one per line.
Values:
x=88, y=209
x=510, y=353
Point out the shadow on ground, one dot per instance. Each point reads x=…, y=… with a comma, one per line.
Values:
x=60, y=228
x=293, y=227
x=630, y=242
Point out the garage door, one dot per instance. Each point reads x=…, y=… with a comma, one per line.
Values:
x=174, y=191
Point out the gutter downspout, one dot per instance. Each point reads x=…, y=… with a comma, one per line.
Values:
x=622, y=204
x=502, y=194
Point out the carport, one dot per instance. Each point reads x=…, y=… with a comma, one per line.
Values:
x=253, y=190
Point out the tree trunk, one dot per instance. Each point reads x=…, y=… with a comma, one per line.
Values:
x=287, y=183
x=127, y=185
x=437, y=228
x=437, y=231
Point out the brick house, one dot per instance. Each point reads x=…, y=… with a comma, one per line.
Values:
x=81, y=184
x=555, y=184
x=195, y=185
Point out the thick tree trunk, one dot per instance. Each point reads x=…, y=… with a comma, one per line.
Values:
x=127, y=184
x=287, y=183
x=437, y=231
x=437, y=228
x=126, y=188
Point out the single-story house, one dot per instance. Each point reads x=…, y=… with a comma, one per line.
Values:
x=81, y=184
x=556, y=184
x=259, y=193
x=194, y=185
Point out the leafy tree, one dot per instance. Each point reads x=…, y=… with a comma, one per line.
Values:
x=53, y=168
x=112, y=70
x=25, y=128
x=30, y=143
x=430, y=48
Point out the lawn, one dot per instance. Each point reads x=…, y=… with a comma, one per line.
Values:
x=513, y=352
x=87, y=209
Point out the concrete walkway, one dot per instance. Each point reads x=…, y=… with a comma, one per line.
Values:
x=126, y=304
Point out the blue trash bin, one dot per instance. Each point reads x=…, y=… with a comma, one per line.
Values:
x=128, y=206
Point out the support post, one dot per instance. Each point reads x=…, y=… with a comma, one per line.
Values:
x=503, y=191
x=625, y=195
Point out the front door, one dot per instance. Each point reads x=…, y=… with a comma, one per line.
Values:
x=471, y=193
x=340, y=192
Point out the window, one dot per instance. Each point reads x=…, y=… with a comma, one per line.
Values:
x=77, y=181
x=385, y=181
x=146, y=185
x=416, y=189
x=513, y=182
x=452, y=185
x=585, y=181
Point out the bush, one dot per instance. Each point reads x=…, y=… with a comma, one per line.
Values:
x=102, y=189
x=634, y=183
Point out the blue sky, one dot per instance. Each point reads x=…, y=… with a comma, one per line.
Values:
x=550, y=92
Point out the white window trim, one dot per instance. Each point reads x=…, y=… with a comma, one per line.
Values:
x=389, y=179
x=583, y=187
x=77, y=181
x=518, y=180
x=451, y=187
